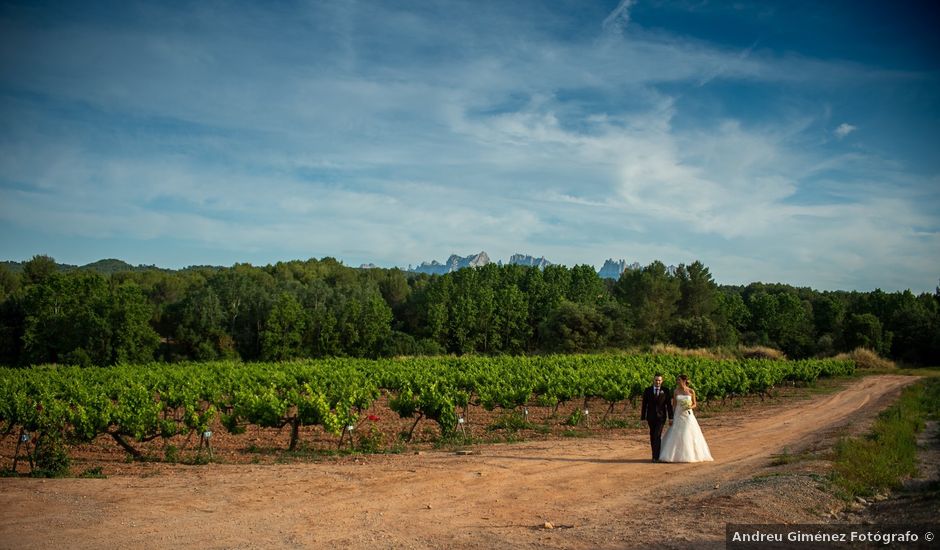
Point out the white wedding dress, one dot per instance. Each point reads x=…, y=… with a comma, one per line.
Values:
x=684, y=441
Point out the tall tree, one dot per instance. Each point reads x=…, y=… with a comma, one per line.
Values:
x=652, y=295
x=282, y=337
x=134, y=340
x=698, y=291
x=38, y=268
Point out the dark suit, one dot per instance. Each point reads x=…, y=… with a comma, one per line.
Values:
x=655, y=410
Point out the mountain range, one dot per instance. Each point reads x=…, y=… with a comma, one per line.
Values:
x=610, y=270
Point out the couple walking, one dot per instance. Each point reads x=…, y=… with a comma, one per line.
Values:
x=684, y=441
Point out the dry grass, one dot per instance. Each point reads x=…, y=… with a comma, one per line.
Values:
x=746, y=352
x=761, y=352
x=709, y=353
x=867, y=359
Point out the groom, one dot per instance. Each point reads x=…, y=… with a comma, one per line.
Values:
x=657, y=406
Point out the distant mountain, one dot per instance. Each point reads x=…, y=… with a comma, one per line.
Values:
x=613, y=268
x=105, y=267
x=13, y=267
x=453, y=263
x=111, y=266
x=530, y=261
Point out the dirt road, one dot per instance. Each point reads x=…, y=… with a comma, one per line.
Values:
x=597, y=493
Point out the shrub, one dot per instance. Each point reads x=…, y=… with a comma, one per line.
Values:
x=50, y=457
x=694, y=332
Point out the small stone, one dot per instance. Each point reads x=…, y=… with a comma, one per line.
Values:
x=548, y=525
x=428, y=506
x=464, y=453
x=861, y=501
x=717, y=485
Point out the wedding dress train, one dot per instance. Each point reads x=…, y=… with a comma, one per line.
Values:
x=684, y=441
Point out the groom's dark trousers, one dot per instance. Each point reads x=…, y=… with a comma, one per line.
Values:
x=656, y=409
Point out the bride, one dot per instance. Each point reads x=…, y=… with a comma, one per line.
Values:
x=684, y=441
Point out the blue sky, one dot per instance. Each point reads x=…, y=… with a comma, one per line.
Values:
x=790, y=142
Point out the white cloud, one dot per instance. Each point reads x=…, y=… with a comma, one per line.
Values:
x=844, y=129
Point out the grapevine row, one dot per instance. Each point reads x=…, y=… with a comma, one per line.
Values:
x=142, y=402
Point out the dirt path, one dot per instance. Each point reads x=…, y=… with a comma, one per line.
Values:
x=598, y=493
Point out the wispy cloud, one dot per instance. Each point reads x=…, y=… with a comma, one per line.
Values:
x=618, y=19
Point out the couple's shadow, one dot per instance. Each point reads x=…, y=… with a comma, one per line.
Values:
x=572, y=459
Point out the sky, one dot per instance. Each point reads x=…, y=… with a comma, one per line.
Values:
x=794, y=142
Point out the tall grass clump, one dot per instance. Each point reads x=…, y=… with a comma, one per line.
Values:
x=706, y=353
x=761, y=352
x=867, y=359
x=719, y=353
x=881, y=460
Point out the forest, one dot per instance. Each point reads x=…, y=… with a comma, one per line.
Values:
x=321, y=308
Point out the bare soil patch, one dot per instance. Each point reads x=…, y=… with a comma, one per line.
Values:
x=597, y=492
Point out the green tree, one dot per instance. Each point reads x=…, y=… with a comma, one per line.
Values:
x=9, y=283
x=79, y=318
x=282, y=337
x=245, y=294
x=694, y=332
x=912, y=326
x=201, y=328
x=732, y=317
x=321, y=337
x=865, y=330
x=652, y=295
x=575, y=328
x=828, y=316
x=698, y=292
x=38, y=269
x=134, y=339
x=512, y=320
x=782, y=320
x=586, y=287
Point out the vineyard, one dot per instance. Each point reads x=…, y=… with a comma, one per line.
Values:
x=133, y=404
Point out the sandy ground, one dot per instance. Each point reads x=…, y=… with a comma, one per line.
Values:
x=596, y=492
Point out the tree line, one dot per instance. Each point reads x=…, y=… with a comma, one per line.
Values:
x=321, y=308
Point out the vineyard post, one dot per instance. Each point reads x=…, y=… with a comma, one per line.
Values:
x=20, y=439
x=204, y=440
